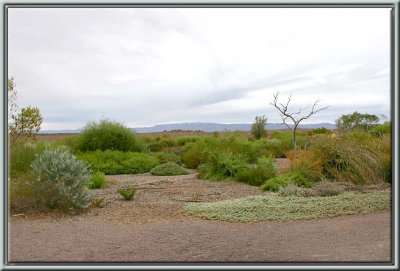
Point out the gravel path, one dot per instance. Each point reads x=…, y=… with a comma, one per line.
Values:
x=153, y=228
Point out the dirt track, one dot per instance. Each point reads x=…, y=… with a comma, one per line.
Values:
x=153, y=228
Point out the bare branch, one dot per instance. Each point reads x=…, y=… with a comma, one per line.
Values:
x=285, y=114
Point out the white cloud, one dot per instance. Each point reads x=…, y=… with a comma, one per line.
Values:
x=149, y=66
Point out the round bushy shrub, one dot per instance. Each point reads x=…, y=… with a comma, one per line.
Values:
x=168, y=169
x=108, y=135
x=223, y=166
x=118, y=162
x=60, y=180
x=263, y=171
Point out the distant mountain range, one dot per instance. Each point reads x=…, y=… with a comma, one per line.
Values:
x=203, y=126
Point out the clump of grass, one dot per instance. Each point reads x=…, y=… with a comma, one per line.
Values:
x=168, y=169
x=349, y=159
x=277, y=208
x=127, y=192
x=97, y=180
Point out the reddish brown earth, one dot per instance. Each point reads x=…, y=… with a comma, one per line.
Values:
x=153, y=228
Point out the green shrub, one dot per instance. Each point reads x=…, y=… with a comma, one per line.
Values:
x=198, y=152
x=22, y=155
x=97, y=180
x=195, y=154
x=258, y=127
x=279, y=181
x=117, y=162
x=263, y=171
x=298, y=177
x=108, y=135
x=60, y=180
x=165, y=157
x=168, y=169
x=381, y=129
x=222, y=166
x=127, y=192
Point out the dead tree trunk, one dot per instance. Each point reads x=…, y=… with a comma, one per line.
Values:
x=286, y=114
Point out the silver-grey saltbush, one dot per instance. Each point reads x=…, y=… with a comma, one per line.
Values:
x=60, y=180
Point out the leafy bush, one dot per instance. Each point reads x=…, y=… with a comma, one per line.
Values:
x=298, y=177
x=168, y=169
x=117, y=162
x=222, y=166
x=97, y=180
x=127, y=192
x=279, y=181
x=108, y=135
x=381, y=129
x=263, y=171
x=195, y=154
x=258, y=127
x=165, y=157
x=60, y=180
x=198, y=152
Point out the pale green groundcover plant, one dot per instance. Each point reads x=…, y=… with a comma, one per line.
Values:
x=277, y=208
x=60, y=180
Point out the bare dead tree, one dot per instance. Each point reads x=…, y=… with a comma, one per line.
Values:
x=294, y=116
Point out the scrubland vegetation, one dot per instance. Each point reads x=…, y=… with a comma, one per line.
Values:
x=58, y=174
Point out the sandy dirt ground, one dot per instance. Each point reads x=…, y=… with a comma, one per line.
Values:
x=153, y=228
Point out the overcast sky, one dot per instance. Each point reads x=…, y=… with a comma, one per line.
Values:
x=147, y=66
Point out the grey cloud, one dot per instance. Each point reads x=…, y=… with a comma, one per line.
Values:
x=81, y=64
